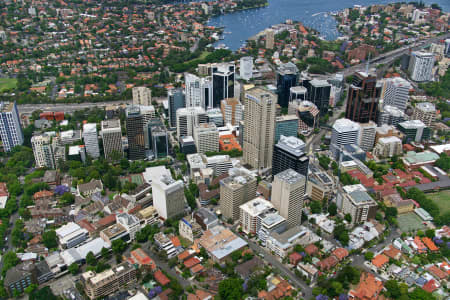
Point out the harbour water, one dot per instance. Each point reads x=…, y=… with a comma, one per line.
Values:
x=242, y=25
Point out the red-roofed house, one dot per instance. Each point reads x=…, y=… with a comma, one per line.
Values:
x=369, y=288
x=295, y=258
x=420, y=247
x=380, y=260
x=327, y=263
x=191, y=262
x=142, y=259
x=175, y=241
x=436, y=272
x=197, y=269
x=392, y=252
x=311, y=249
x=340, y=253
x=430, y=286
x=430, y=244
x=161, y=278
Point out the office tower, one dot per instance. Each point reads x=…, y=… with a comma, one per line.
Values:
x=232, y=111
x=198, y=91
x=270, y=38
x=287, y=77
x=298, y=93
x=215, y=116
x=414, y=131
x=219, y=164
x=359, y=205
x=10, y=129
x=425, y=112
x=241, y=133
x=135, y=133
x=152, y=123
x=160, y=142
x=90, y=138
x=246, y=67
x=318, y=92
x=187, y=145
x=177, y=100
x=388, y=147
x=386, y=131
x=250, y=212
x=259, y=129
x=43, y=151
x=109, y=281
x=447, y=48
x=421, y=66
x=148, y=112
x=288, y=192
x=235, y=190
x=367, y=136
x=168, y=197
x=344, y=132
x=396, y=92
x=289, y=153
x=59, y=152
x=390, y=115
x=362, y=98
x=112, y=138
x=142, y=96
x=286, y=125
x=206, y=137
x=188, y=118
x=223, y=82
x=308, y=115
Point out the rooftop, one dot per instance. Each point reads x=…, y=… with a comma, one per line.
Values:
x=426, y=107
x=291, y=144
x=290, y=176
x=345, y=125
x=412, y=124
x=256, y=206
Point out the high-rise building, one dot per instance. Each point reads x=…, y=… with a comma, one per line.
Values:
x=288, y=193
x=142, y=96
x=11, y=132
x=112, y=138
x=395, y=92
x=109, y=281
x=198, y=91
x=286, y=125
x=270, y=38
x=215, y=116
x=206, y=137
x=160, y=143
x=232, y=111
x=425, y=112
x=367, y=136
x=344, y=132
x=390, y=115
x=223, y=82
x=421, y=66
x=90, y=138
x=298, y=93
x=43, y=151
x=177, y=100
x=318, y=92
x=259, y=131
x=362, y=98
x=287, y=77
x=188, y=118
x=359, y=205
x=135, y=133
x=447, y=48
x=289, y=153
x=388, y=147
x=235, y=190
x=246, y=67
x=308, y=115
x=168, y=197
x=250, y=212
x=414, y=131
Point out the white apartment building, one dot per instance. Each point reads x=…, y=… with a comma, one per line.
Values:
x=206, y=137
x=388, y=147
x=188, y=118
x=421, y=66
x=395, y=92
x=246, y=67
x=112, y=137
x=165, y=244
x=11, y=132
x=359, y=205
x=130, y=222
x=219, y=163
x=198, y=91
x=249, y=214
x=425, y=112
x=344, y=132
x=43, y=151
x=232, y=111
x=142, y=96
x=288, y=193
x=367, y=137
x=168, y=196
x=91, y=140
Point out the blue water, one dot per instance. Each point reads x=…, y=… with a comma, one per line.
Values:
x=244, y=24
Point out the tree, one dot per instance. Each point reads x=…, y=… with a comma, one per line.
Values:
x=430, y=233
x=348, y=218
x=50, y=239
x=231, y=289
x=369, y=255
x=316, y=207
x=74, y=268
x=332, y=209
x=43, y=294
x=90, y=259
x=118, y=246
x=392, y=289
x=105, y=253
x=29, y=289
x=67, y=199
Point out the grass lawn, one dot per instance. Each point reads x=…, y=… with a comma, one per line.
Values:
x=7, y=83
x=202, y=56
x=442, y=200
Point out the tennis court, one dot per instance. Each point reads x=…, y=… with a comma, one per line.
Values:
x=409, y=222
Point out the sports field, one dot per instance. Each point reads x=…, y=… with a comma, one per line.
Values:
x=409, y=222
x=7, y=84
x=442, y=200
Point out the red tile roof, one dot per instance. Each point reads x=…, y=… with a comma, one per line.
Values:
x=108, y=220
x=311, y=249
x=380, y=260
x=175, y=241
x=368, y=288
x=437, y=272
x=191, y=262
x=392, y=252
x=430, y=286
x=340, y=253
x=142, y=258
x=161, y=278
x=430, y=244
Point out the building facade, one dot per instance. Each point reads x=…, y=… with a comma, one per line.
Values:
x=43, y=151
x=177, y=100
x=142, y=96
x=135, y=133
x=421, y=66
x=289, y=153
x=206, y=137
x=362, y=99
x=232, y=111
x=425, y=112
x=344, y=132
x=112, y=138
x=90, y=138
x=188, y=118
x=168, y=197
x=11, y=132
x=286, y=125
